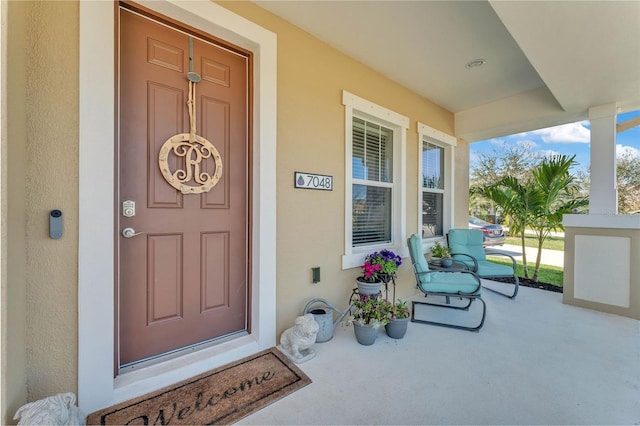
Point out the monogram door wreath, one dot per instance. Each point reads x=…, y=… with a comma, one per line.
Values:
x=194, y=148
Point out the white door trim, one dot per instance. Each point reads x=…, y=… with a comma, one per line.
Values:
x=96, y=303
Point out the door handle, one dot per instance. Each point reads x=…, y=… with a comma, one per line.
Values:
x=130, y=232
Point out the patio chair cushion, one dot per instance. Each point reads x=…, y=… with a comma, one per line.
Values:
x=491, y=269
x=444, y=285
x=467, y=241
x=466, y=246
x=420, y=264
x=453, y=283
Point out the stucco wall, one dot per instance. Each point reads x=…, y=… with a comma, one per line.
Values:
x=311, y=78
x=52, y=183
x=14, y=312
x=603, y=289
x=43, y=175
x=461, y=182
x=311, y=138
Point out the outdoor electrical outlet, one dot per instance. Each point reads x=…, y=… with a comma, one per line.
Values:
x=316, y=274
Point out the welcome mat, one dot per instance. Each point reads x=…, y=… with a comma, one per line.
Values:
x=220, y=396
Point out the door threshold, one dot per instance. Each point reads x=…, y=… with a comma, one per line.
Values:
x=166, y=372
x=167, y=356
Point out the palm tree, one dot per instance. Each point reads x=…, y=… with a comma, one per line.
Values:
x=556, y=195
x=516, y=202
x=537, y=203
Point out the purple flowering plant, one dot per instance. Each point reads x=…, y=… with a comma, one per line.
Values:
x=378, y=263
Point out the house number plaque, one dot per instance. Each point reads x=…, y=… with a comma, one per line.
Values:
x=313, y=181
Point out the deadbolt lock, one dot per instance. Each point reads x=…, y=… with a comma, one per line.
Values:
x=128, y=208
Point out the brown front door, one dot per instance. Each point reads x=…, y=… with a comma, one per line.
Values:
x=183, y=279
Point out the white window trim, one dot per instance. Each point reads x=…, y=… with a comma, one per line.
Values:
x=359, y=107
x=449, y=143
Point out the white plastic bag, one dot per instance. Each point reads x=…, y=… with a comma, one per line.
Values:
x=58, y=409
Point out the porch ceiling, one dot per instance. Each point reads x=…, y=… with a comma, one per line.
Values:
x=546, y=62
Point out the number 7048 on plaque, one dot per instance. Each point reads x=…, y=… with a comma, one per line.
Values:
x=313, y=181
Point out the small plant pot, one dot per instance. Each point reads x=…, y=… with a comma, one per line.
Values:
x=365, y=288
x=365, y=334
x=447, y=262
x=397, y=327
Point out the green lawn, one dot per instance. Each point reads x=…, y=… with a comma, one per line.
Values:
x=548, y=274
x=551, y=243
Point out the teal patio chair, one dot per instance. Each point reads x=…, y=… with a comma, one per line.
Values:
x=447, y=284
x=466, y=246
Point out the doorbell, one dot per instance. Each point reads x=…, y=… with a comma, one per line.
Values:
x=55, y=224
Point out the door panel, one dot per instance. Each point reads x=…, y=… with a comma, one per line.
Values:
x=184, y=279
x=164, y=292
x=165, y=112
x=212, y=108
x=215, y=270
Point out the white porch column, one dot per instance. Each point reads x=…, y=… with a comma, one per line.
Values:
x=603, y=193
x=601, y=248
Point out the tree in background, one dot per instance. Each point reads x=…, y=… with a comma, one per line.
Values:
x=509, y=160
x=537, y=201
x=628, y=182
x=628, y=178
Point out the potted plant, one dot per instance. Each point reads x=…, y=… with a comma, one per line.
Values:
x=443, y=253
x=398, y=320
x=378, y=268
x=368, y=313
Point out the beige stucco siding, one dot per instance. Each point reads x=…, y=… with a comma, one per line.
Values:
x=41, y=273
x=14, y=318
x=614, y=289
x=52, y=183
x=311, y=138
x=42, y=81
x=461, y=183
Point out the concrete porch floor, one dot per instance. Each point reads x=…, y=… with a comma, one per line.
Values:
x=535, y=361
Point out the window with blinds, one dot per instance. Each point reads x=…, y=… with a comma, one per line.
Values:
x=432, y=189
x=372, y=173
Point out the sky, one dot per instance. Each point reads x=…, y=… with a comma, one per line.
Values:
x=568, y=139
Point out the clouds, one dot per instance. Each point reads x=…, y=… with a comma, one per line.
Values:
x=567, y=133
x=569, y=139
x=622, y=150
x=549, y=153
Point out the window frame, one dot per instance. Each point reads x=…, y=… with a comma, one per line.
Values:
x=398, y=124
x=448, y=142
